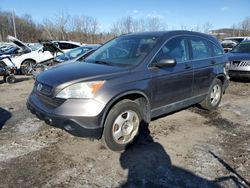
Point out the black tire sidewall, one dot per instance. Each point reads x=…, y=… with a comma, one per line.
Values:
x=120, y=107
x=10, y=79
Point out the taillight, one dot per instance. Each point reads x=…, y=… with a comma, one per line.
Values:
x=227, y=66
x=226, y=69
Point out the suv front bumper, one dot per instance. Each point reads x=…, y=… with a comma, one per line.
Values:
x=79, y=117
x=239, y=74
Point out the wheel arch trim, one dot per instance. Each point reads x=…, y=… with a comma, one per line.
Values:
x=127, y=95
x=29, y=59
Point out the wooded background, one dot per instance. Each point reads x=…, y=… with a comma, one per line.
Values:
x=86, y=29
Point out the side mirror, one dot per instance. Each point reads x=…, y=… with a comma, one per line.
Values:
x=166, y=63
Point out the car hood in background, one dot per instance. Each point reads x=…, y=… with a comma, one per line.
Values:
x=238, y=56
x=76, y=72
x=19, y=43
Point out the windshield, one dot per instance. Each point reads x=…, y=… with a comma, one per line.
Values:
x=35, y=46
x=72, y=54
x=10, y=50
x=123, y=51
x=243, y=47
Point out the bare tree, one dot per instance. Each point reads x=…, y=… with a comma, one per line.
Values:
x=197, y=28
x=139, y=25
x=245, y=26
x=184, y=27
x=234, y=31
x=206, y=27
x=129, y=24
x=50, y=30
x=6, y=27
x=125, y=25
x=61, y=23
x=154, y=24
x=84, y=29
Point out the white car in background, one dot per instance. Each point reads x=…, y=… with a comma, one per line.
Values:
x=35, y=53
x=237, y=39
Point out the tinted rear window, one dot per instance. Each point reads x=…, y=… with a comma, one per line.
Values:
x=200, y=47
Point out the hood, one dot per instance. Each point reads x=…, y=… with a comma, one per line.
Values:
x=238, y=56
x=4, y=56
x=19, y=43
x=76, y=72
x=50, y=46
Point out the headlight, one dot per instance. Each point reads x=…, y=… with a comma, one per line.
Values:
x=80, y=90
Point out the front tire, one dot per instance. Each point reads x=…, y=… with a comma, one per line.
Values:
x=27, y=67
x=122, y=125
x=213, y=98
x=10, y=79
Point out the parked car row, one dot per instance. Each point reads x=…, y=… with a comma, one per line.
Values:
x=33, y=58
x=32, y=54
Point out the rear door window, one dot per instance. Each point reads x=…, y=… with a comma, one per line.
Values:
x=200, y=48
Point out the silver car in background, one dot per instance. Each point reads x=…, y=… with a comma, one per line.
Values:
x=239, y=58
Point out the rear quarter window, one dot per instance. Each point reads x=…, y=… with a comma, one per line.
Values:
x=216, y=50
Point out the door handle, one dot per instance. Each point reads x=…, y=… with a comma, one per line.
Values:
x=187, y=66
x=212, y=62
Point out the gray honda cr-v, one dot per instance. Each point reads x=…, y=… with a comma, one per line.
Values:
x=130, y=80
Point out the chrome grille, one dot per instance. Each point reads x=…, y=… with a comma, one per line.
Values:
x=244, y=63
x=50, y=102
x=44, y=93
x=43, y=89
x=235, y=63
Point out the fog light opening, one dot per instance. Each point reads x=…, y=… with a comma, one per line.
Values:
x=68, y=127
x=49, y=121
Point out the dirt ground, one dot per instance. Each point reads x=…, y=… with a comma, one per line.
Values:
x=189, y=148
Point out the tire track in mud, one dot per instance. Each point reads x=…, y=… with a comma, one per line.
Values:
x=33, y=169
x=233, y=141
x=25, y=137
x=28, y=153
x=214, y=118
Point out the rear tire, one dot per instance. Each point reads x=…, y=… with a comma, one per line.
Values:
x=122, y=125
x=212, y=101
x=27, y=67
